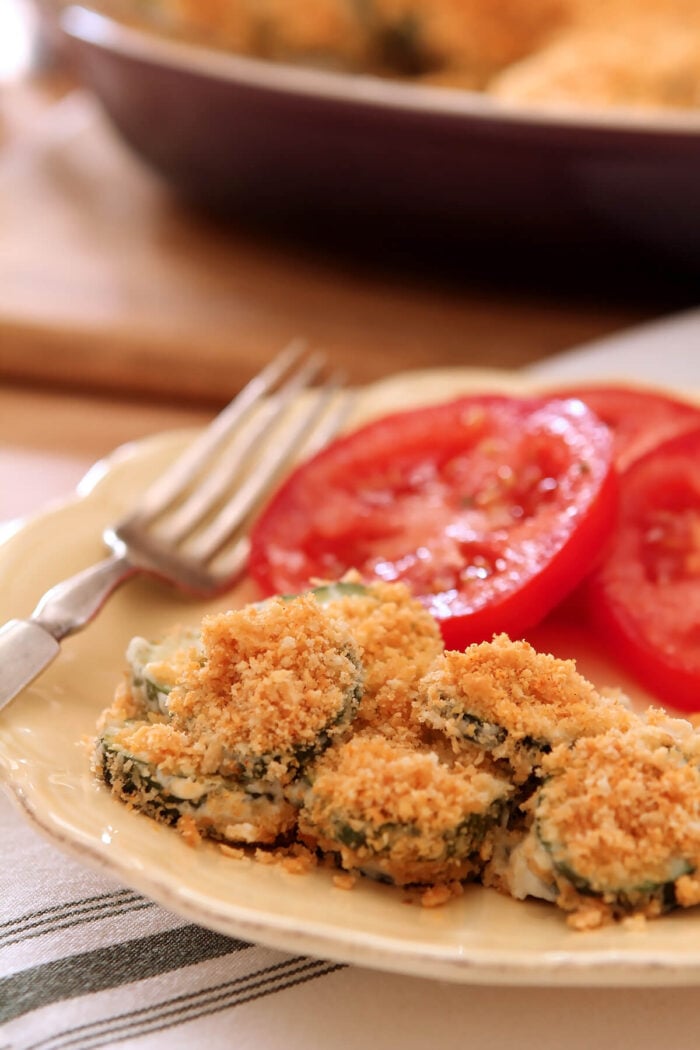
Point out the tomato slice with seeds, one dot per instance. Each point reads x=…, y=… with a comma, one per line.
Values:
x=639, y=418
x=645, y=597
x=489, y=508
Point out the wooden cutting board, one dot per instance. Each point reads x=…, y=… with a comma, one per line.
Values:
x=107, y=282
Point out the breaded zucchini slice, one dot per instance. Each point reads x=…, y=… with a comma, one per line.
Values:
x=277, y=684
x=398, y=814
x=399, y=640
x=617, y=825
x=515, y=703
x=155, y=667
x=155, y=768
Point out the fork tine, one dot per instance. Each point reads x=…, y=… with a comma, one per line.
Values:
x=222, y=476
x=234, y=514
x=181, y=474
x=330, y=425
x=230, y=564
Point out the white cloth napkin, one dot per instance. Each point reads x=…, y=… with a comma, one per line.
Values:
x=87, y=963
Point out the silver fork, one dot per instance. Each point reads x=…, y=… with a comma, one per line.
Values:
x=189, y=526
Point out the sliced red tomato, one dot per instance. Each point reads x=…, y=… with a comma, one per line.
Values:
x=645, y=597
x=490, y=508
x=638, y=418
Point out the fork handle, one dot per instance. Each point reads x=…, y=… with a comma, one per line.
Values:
x=74, y=602
x=28, y=646
x=25, y=650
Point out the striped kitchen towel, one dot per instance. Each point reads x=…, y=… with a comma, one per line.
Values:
x=87, y=963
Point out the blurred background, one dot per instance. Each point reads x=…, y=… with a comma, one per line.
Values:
x=171, y=214
x=17, y=28
x=177, y=204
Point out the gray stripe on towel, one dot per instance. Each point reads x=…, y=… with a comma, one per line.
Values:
x=109, y=967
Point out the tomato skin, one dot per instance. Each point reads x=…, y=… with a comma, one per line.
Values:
x=644, y=599
x=547, y=588
x=490, y=508
x=639, y=418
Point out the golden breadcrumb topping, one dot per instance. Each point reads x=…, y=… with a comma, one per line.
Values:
x=687, y=890
x=187, y=826
x=274, y=675
x=171, y=669
x=561, y=791
x=385, y=808
x=377, y=781
x=441, y=893
x=156, y=767
x=161, y=744
x=295, y=858
x=345, y=881
x=621, y=810
x=399, y=640
x=535, y=697
x=662, y=730
x=123, y=707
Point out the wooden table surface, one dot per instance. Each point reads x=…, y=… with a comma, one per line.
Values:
x=107, y=283
x=122, y=312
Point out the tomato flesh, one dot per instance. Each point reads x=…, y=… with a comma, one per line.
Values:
x=645, y=597
x=490, y=508
x=638, y=418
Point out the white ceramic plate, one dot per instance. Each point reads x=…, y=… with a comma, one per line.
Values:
x=480, y=937
x=665, y=352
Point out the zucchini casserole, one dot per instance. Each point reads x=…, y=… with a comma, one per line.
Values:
x=334, y=725
x=639, y=53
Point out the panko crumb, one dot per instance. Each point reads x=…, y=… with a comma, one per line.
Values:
x=399, y=640
x=265, y=856
x=187, y=827
x=123, y=707
x=634, y=923
x=590, y=915
x=299, y=862
x=235, y=852
x=436, y=896
x=345, y=881
x=687, y=889
x=295, y=858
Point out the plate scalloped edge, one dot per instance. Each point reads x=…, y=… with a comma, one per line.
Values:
x=479, y=938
